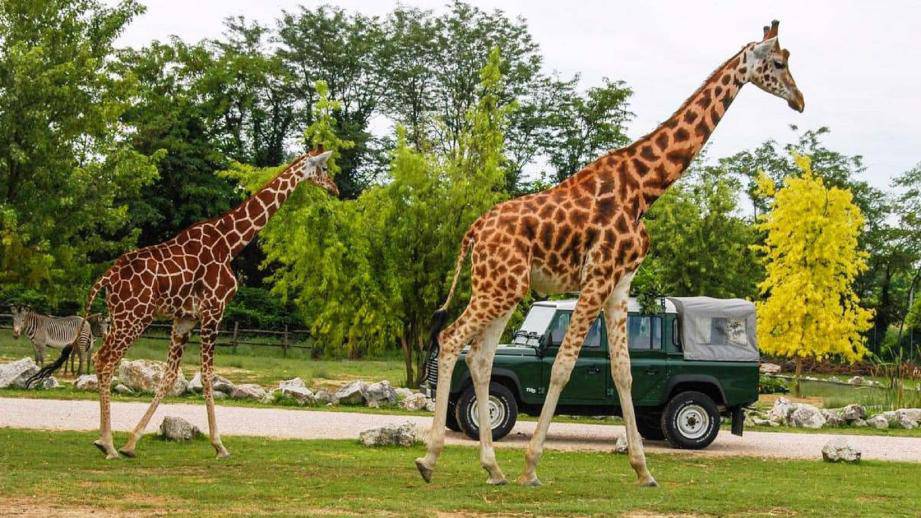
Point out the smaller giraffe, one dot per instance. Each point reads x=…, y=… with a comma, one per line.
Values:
x=188, y=279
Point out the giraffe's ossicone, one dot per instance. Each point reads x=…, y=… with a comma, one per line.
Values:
x=187, y=279
x=584, y=235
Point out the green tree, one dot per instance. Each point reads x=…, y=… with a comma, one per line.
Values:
x=812, y=260
x=67, y=174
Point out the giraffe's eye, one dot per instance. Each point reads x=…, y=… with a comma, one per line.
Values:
x=779, y=64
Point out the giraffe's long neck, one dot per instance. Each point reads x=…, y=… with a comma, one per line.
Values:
x=663, y=155
x=241, y=224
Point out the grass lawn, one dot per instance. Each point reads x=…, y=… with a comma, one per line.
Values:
x=250, y=364
x=54, y=472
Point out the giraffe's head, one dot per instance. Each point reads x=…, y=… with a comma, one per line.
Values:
x=17, y=320
x=313, y=169
x=767, y=67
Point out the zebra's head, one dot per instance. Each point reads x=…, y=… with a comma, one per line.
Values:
x=18, y=317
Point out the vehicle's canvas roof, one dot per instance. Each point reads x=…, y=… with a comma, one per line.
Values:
x=717, y=329
x=632, y=306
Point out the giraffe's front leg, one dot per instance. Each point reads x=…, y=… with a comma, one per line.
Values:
x=616, y=320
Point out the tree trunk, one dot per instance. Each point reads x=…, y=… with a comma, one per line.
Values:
x=405, y=344
x=797, y=391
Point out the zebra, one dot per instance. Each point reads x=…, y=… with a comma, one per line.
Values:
x=54, y=332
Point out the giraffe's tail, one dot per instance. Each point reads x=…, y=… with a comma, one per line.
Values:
x=48, y=370
x=440, y=317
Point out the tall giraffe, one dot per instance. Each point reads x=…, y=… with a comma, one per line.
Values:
x=585, y=234
x=188, y=279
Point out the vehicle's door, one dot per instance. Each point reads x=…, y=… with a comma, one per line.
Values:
x=587, y=384
x=648, y=359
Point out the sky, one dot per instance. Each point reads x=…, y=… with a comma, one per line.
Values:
x=856, y=62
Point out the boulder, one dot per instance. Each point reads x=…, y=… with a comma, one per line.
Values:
x=249, y=391
x=878, y=421
x=911, y=416
x=833, y=417
x=806, y=416
x=760, y=421
x=87, y=382
x=145, y=376
x=324, y=397
x=303, y=395
x=780, y=412
x=48, y=383
x=403, y=393
x=218, y=395
x=292, y=383
x=769, y=368
x=856, y=380
x=834, y=379
x=853, y=412
x=416, y=401
x=859, y=423
x=839, y=449
x=122, y=389
x=178, y=429
x=352, y=394
x=620, y=444
x=380, y=394
x=391, y=435
x=15, y=374
x=218, y=384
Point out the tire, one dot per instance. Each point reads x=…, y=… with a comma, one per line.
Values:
x=650, y=426
x=451, y=421
x=502, y=405
x=690, y=421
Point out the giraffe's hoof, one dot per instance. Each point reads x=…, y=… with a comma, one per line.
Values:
x=107, y=449
x=531, y=481
x=223, y=453
x=650, y=482
x=127, y=452
x=496, y=481
x=424, y=470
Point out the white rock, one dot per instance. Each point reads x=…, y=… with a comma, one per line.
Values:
x=352, y=394
x=807, y=416
x=769, y=368
x=323, y=396
x=833, y=417
x=122, y=389
x=380, y=394
x=390, y=435
x=87, y=382
x=859, y=423
x=856, y=380
x=781, y=410
x=403, y=393
x=416, y=401
x=292, y=383
x=145, y=375
x=302, y=395
x=909, y=416
x=48, y=383
x=853, y=412
x=620, y=444
x=839, y=449
x=178, y=429
x=218, y=384
x=878, y=421
x=249, y=391
x=15, y=374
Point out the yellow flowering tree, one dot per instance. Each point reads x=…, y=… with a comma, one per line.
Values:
x=811, y=260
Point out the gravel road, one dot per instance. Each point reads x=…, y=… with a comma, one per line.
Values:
x=51, y=414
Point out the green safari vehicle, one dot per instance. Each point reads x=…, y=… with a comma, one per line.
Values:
x=692, y=363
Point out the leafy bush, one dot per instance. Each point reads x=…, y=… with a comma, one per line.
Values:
x=257, y=308
x=772, y=385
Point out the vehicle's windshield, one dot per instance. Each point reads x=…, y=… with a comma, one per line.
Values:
x=534, y=325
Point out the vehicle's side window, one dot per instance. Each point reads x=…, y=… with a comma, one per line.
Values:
x=558, y=327
x=676, y=334
x=593, y=338
x=644, y=332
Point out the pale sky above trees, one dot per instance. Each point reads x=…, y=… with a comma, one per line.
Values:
x=856, y=62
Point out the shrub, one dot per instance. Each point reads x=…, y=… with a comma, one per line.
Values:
x=772, y=385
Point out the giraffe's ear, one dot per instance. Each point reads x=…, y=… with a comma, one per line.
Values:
x=763, y=49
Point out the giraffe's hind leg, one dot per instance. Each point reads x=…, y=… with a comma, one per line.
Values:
x=117, y=342
x=181, y=330
x=209, y=326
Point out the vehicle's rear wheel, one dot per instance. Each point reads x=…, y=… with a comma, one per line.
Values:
x=503, y=412
x=650, y=425
x=691, y=420
x=451, y=421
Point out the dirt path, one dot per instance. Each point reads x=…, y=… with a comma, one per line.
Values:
x=53, y=414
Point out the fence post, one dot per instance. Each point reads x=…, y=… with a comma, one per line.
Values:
x=284, y=342
x=233, y=339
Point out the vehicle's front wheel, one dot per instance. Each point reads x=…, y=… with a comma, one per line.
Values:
x=650, y=426
x=691, y=421
x=503, y=412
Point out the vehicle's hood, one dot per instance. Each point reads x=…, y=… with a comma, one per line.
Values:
x=515, y=350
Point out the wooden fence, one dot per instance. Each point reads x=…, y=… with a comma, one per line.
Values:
x=231, y=335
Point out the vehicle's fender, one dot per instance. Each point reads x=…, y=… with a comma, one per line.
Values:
x=497, y=372
x=696, y=378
